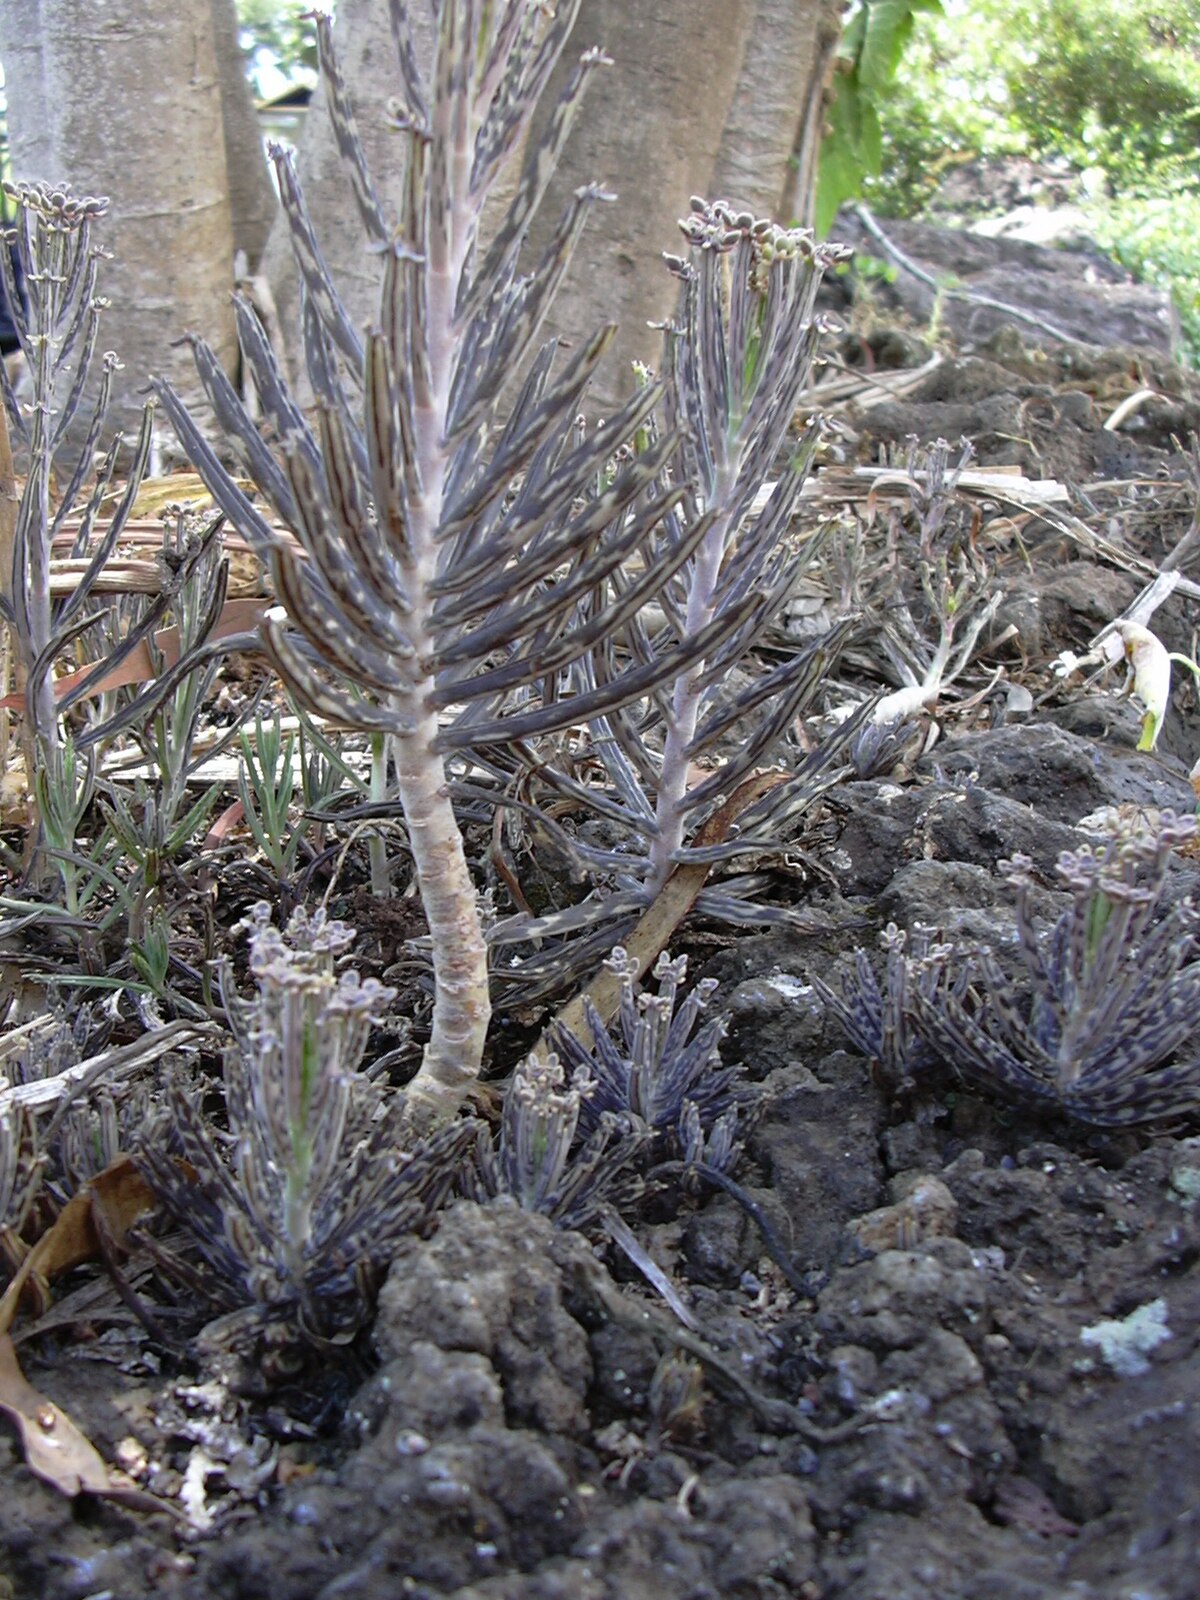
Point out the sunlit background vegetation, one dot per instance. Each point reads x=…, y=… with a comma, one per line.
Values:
x=1109, y=89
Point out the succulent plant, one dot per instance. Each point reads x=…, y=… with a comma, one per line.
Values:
x=877, y=1017
x=651, y=1092
x=59, y=428
x=543, y=1161
x=1100, y=1016
x=467, y=580
x=661, y=765
x=658, y=1065
x=298, y=1209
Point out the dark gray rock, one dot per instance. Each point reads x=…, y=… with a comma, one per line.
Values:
x=818, y=1142
x=1063, y=774
x=1069, y=290
x=487, y=1283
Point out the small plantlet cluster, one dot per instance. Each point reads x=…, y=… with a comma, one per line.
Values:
x=877, y=1014
x=660, y=1066
x=543, y=1160
x=1095, y=1018
x=300, y=1206
x=583, y=1122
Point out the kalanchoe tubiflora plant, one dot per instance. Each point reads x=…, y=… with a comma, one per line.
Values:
x=739, y=356
x=877, y=1016
x=22, y=1172
x=1098, y=1019
x=468, y=582
x=58, y=429
x=47, y=1154
x=659, y=1065
x=652, y=1091
x=305, y=1209
x=929, y=630
x=736, y=358
x=165, y=816
x=542, y=1158
x=57, y=322
x=437, y=593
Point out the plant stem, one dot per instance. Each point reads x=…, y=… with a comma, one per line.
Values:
x=462, y=1004
x=685, y=702
x=381, y=885
x=12, y=664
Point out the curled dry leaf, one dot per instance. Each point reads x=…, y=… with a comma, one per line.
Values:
x=119, y=1193
x=56, y=1450
x=54, y=1447
x=237, y=617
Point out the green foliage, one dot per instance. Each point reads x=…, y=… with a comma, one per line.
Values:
x=267, y=787
x=1111, y=87
x=1107, y=84
x=874, y=39
x=280, y=39
x=1158, y=238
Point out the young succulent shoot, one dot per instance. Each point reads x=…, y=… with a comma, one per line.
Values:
x=739, y=357
x=877, y=1016
x=57, y=323
x=22, y=1172
x=457, y=533
x=267, y=782
x=659, y=1065
x=659, y=769
x=299, y=1210
x=155, y=829
x=543, y=1161
x=1098, y=1021
x=1149, y=677
x=954, y=585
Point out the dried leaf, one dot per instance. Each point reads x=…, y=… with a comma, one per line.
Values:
x=178, y=488
x=122, y=1196
x=54, y=1447
x=237, y=616
x=224, y=825
x=57, y=1451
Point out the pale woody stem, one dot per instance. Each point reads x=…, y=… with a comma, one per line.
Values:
x=462, y=1007
x=685, y=703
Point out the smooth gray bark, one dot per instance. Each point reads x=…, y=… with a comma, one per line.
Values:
x=784, y=68
x=121, y=98
x=704, y=97
x=363, y=38
x=650, y=131
x=252, y=201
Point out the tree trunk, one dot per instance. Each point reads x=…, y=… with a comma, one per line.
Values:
x=367, y=55
x=705, y=96
x=786, y=61
x=252, y=201
x=650, y=131
x=800, y=193
x=124, y=101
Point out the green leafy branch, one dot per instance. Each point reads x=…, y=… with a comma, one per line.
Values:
x=874, y=37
